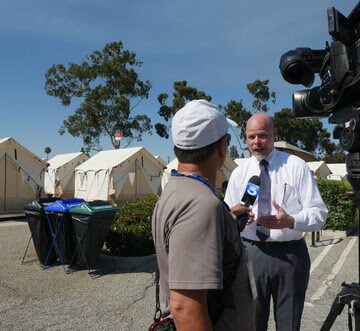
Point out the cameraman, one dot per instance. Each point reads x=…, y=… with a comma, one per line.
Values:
x=196, y=238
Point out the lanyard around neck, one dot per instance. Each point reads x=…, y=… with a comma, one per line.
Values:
x=196, y=177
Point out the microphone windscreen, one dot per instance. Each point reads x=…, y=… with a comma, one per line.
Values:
x=255, y=180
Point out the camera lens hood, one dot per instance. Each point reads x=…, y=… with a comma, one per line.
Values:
x=295, y=70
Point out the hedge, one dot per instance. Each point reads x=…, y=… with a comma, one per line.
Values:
x=130, y=233
x=342, y=210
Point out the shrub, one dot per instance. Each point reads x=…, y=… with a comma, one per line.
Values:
x=342, y=210
x=130, y=233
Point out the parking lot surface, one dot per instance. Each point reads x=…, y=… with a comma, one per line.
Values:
x=122, y=296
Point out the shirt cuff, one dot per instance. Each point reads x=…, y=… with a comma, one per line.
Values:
x=299, y=224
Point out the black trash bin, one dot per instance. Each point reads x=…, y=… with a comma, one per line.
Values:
x=91, y=221
x=62, y=228
x=39, y=228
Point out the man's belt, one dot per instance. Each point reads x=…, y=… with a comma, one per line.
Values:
x=273, y=244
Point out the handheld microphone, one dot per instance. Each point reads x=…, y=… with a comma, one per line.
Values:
x=249, y=197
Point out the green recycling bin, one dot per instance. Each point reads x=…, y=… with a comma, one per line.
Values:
x=91, y=221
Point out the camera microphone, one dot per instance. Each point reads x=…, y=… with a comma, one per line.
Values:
x=249, y=197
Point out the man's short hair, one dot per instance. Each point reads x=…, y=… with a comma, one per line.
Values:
x=196, y=155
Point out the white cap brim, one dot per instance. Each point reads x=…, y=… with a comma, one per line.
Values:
x=232, y=123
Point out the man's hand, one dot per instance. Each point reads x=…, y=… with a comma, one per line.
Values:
x=279, y=221
x=240, y=209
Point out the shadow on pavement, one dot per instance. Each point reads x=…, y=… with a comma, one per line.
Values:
x=108, y=265
x=327, y=242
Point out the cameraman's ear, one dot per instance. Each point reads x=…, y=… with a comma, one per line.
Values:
x=275, y=133
x=223, y=146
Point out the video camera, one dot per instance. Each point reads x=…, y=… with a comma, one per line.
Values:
x=338, y=96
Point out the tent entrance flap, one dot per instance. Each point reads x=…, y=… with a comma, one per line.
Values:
x=151, y=175
x=135, y=185
x=118, y=177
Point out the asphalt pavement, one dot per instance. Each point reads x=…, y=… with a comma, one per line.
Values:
x=121, y=296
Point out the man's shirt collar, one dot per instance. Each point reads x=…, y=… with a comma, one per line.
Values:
x=270, y=158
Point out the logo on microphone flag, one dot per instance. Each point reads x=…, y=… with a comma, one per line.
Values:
x=252, y=189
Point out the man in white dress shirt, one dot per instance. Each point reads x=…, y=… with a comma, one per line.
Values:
x=288, y=206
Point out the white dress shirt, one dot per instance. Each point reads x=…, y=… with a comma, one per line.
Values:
x=292, y=187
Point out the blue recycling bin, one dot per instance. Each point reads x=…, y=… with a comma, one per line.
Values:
x=62, y=229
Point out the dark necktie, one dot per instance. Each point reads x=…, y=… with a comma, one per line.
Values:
x=264, y=202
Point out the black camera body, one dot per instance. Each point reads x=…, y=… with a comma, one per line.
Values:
x=338, y=66
x=338, y=96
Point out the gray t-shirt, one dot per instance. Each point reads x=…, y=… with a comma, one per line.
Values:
x=197, y=242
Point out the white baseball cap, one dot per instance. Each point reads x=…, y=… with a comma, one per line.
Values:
x=198, y=124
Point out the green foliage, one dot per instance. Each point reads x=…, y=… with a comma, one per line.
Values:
x=181, y=95
x=47, y=151
x=308, y=134
x=130, y=233
x=85, y=151
x=262, y=94
x=221, y=193
x=109, y=88
x=338, y=156
x=238, y=113
x=342, y=210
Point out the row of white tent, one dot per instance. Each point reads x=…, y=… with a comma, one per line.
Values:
x=114, y=175
x=321, y=169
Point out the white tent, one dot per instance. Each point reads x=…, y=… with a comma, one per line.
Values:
x=21, y=176
x=118, y=175
x=60, y=174
x=222, y=175
x=160, y=160
x=338, y=171
x=334, y=177
x=320, y=169
x=173, y=165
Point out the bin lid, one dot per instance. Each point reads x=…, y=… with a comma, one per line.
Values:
x=39, y=204
x=94, y=207
x=64, y=205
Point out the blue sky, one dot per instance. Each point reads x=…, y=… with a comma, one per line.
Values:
x=217, y=46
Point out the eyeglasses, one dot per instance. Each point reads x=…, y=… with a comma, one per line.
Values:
x=227, y=136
